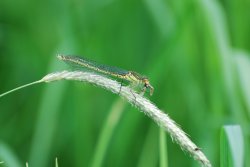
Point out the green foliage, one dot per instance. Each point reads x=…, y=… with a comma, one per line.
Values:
x=195, y=53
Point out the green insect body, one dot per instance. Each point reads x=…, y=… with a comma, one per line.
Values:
x=132, y=77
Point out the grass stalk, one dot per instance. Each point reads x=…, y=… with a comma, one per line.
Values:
x=137, y=100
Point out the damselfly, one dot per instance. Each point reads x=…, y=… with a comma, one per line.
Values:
x=132, y=77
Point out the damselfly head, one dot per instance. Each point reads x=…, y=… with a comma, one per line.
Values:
x=148, y=86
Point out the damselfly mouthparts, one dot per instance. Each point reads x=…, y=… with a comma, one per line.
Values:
x=132, y=77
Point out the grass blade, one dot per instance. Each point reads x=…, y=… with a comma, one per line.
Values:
x=163, y=149
x=8, y=157
x=232, y=146
x=149, y=155
x=107, y=132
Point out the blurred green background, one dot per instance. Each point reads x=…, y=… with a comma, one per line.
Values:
x=196, y=54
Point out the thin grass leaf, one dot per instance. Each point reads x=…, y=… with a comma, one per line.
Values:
x=56, y=163
x=243, y=66
x=8, y=157
x=107, y=132
x=161, y=15
x=46, y=123
x=150, y=152
x=18, y=88
x=232, y=146
x=163, y=149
